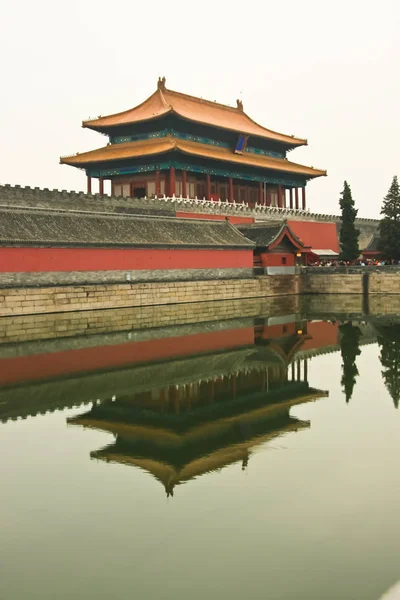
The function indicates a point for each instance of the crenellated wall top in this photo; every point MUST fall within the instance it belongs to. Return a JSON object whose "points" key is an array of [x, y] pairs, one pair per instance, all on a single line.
{"points": [[35, 196]]}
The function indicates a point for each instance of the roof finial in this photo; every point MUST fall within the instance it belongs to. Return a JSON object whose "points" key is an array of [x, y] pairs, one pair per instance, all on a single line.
{"points": [[161, 83], [239, 104]]}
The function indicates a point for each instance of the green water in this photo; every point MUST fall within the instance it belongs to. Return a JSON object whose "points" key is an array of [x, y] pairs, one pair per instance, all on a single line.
{"points": [[243, 494]]}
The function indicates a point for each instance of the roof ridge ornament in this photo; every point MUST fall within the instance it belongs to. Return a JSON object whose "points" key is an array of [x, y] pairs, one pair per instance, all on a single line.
{"points": [[239, 105], [161, 83], [161, 88]]}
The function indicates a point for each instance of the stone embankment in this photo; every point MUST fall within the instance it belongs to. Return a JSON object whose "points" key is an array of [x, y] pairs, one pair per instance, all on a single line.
{"points": [[344, 307], [20, 301], [146, 322], [362, 282], [350, 280], [138, 321]]}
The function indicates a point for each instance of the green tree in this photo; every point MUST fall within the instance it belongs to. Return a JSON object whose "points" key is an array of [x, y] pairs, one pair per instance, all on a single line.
{"points": [[349, 249], [389, 227], [349, 349], [389, 342]]}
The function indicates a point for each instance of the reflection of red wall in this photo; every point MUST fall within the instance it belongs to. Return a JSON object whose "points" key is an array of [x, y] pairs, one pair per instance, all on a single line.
{"points": [[234, 220], [102, 259], [25, 368], [270, 332], [321, 236], [322, 334], [274, 259]]}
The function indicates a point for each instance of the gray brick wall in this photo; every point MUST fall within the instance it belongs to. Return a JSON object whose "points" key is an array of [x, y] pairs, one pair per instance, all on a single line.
{"points": [[99, 277]]}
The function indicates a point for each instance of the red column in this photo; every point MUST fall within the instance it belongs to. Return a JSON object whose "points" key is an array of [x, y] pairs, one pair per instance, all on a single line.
{"points": [[303, 197], [101, 186], [184, 186], [296, 196], [291, 197], [260, 193], [279, 196], [172, 181], [89, 185], [158, 183], [208, 187], [230, 189]]}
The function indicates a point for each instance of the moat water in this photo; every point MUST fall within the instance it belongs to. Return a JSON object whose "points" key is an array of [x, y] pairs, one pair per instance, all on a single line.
{"points": [[257, 458]]}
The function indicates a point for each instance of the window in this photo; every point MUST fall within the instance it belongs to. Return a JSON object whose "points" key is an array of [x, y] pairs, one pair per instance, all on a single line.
{"points": [[162, 187], [117, 189], [190, 189], [242, 194], [253, 195], [139, 191], [151, 189], [284, 199], [178, 187], [126, 190], [284, 260], [274, 198], [223, 191], [200, 189]]}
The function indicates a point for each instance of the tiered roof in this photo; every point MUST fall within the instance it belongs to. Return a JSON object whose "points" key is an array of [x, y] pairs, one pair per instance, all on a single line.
{"points": [[167, 144], [175, 457], [198, 110]]}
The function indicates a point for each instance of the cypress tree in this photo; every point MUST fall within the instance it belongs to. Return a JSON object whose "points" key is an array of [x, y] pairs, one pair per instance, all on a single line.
{"points": [[389, 227], [389, 343], [349, 349], [349, 249]]}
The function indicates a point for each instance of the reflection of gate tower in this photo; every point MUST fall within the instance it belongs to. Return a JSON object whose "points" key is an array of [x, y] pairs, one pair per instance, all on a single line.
{"points": [[182, 430]]}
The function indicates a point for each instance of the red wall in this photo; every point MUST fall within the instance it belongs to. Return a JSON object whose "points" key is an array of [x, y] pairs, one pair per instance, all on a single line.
{"points": [[270, 332], [42, 366], [271, 259], [101, 259], [233, 220], [318, 235], [322, 334]]}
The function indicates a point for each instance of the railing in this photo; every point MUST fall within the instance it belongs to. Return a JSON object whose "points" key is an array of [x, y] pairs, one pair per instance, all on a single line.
{"points": [[351, 270], [212, 206]]}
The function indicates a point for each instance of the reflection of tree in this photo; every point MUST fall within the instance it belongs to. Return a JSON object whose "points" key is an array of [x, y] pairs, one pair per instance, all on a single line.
{"points": [[389, 342], [349, 349]]}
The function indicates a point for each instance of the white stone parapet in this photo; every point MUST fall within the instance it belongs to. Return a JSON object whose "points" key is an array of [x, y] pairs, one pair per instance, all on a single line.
{"points": [[259, 211]]}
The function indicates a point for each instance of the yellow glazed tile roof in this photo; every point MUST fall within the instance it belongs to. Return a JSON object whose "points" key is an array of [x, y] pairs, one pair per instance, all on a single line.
{"points": [[131, 150], [165, 101]]}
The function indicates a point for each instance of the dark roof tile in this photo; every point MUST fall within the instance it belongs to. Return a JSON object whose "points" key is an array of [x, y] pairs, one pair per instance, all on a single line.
{"points": [[68, 228]]}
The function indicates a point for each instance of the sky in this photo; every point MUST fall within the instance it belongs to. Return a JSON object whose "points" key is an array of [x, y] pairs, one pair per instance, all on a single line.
{"points": [[327, 71]]}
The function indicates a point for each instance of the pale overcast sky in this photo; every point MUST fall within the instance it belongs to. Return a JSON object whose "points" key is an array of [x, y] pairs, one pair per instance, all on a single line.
{"points": [[327, 71]]}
